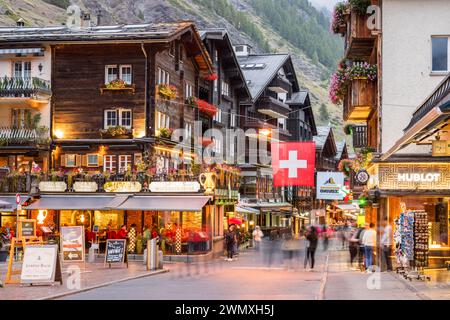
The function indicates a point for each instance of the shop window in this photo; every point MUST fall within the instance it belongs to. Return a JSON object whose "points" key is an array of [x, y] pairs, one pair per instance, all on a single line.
{"points": [[75, 218], [124, 163], [112, 219], [109, 163], [92, 160]]}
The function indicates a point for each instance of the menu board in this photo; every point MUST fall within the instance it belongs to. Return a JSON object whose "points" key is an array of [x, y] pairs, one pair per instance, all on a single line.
{"points": [[27, 228], [41, 265], [115, 250], [72, 243]]}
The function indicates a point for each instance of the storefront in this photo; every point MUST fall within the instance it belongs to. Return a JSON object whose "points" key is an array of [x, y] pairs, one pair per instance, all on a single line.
{"points": [[8, 213], [417, 188]]}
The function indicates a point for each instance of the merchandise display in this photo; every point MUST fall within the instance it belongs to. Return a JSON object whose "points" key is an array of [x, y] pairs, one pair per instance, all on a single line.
{"points": [[421, 239]]}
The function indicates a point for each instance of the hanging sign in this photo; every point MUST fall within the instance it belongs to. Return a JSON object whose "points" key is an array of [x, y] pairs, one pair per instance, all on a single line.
{"points": [[41, 265], [72, 243], [330, 185], [175, 186], [122, 186], [362, 177]]}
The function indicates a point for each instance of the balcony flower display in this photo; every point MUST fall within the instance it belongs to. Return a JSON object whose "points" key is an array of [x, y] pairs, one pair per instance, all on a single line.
{"points": [[359, 6], [191, 102], [345, 74], [165, 133], [116, 84], [167, 91], [115, 132], [211, 77], [207, 108], [338, 19], [346, 166]]}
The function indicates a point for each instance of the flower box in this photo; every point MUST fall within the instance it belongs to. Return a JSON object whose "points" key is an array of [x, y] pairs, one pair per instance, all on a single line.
{"points": [[117, 85]]}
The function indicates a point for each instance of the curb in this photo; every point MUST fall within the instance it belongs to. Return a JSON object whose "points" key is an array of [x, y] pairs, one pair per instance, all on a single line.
{"points": [[323, 281], [410, 287], [60, 295]]}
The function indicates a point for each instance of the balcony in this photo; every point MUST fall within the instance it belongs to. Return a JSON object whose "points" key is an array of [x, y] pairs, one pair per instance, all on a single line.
{"points": [[360, 100], [359, 41], [360, 136], [272, 107], [279, 85], [33, 91], [22, 136]]}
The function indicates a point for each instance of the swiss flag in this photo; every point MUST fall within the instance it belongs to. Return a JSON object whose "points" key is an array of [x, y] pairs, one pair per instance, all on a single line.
{"points": [[293, 163]]}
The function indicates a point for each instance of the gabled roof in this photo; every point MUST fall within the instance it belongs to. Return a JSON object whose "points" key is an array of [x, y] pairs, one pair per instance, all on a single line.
{"points": [[258, 78], [220, 34], [325, 135], [340, 147], [298, 97], [134, 33]]}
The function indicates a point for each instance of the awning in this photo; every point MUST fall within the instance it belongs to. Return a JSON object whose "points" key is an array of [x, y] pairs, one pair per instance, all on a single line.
{"points": [[165, 203], [21, 50], [8, 203], [243, 209], [348, 207], [73, 202], [6, 206]]}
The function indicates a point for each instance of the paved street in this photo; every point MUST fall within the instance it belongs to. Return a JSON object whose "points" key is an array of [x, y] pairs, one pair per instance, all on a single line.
{"points": [[251, 276]]}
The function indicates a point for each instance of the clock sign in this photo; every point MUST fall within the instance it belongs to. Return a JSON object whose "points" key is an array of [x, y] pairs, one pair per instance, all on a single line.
{"points": [[362, 177]]}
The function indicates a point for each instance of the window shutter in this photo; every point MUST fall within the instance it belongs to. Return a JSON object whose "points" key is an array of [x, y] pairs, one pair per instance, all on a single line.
{"points": [[100, 160], [84, 160], [63, 160], [78, 162]]}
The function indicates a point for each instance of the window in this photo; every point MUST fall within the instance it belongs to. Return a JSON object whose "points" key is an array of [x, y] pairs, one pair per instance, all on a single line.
{"points": [[92, 160], [188, 129], [225, 88], [233, 120], [19, 117], [188, 90], [218, 116], [216, 55], [163, 76], [124, 163], [162, 120], [126, 74], [282, 123], [440, 49], [22, 69], [217, 146], [216, 86], [111, 73], [109, 163], [71, 160], [122, 117]]}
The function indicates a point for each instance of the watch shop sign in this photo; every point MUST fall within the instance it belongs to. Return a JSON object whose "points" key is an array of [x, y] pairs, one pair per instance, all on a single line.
{"points": [[435, 176]]}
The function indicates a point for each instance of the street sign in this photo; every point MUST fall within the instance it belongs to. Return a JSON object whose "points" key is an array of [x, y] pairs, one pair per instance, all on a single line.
{"points": [[18, 199], [41, 265]]}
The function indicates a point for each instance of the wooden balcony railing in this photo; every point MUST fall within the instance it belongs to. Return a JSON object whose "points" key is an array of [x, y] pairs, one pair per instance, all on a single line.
{"points": [[359, 41], [272, 107], [14, 87], [360, 136], [360, 100]]}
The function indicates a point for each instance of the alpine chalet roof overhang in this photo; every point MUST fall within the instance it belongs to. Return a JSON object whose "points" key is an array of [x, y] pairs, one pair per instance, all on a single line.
{"points": [[259, 78], [229, 59], [134, 33], [431, 117], [324, 140]]}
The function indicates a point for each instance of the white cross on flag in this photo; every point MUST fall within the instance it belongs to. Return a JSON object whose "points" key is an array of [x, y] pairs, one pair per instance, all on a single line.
{"points": [[293, 163]]}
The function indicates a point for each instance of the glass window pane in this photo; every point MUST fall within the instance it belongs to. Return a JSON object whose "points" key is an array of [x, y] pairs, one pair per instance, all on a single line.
{"points": [[440, 54]]}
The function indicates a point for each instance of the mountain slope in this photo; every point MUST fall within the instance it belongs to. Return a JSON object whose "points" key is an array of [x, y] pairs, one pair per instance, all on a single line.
{"points": [[277, 25]]}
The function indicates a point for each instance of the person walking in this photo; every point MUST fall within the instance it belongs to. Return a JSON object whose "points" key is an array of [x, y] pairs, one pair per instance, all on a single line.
{"points": [[386, 243], [369, 241], [353, 244], [230, 240], [312, 240], [257, 237], [325, 237]]}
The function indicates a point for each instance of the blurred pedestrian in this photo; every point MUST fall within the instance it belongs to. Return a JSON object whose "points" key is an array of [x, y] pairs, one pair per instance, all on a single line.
{"points": [[353, 244], [237, 242], [386, 243], [230, 240], [312, 240], [325, 237], [369, 241], [257, 237]]}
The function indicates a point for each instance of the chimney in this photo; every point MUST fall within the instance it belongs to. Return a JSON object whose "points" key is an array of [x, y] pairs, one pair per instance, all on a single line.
{"points": [[20, 23]]}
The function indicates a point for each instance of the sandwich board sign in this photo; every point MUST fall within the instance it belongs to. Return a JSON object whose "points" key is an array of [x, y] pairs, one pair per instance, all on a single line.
{"points": [[72, 244], [41, 265], [116, 251]]}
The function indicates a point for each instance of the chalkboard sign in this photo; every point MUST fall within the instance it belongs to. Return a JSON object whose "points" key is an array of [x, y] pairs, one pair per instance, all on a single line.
{"points": [[27, 229], [115, 251]]}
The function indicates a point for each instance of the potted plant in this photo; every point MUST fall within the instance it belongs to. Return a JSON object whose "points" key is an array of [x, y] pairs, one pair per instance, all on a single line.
{"points": [[346, 166], [191, 102], [167, 91], [359, 6], [348, 129], [117, 132], [165, 133], [338, 23]]}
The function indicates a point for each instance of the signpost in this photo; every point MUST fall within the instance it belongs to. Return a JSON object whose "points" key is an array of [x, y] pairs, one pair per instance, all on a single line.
{"points": [[72, 243], [116, 251], [41, 265]]}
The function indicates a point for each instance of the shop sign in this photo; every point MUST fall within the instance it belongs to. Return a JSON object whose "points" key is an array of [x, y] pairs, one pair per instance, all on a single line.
{"points": [[72, 243], [176, 186], [434, 176], [52, 186], [226, 193], [27, 228], [83, 186], [115, 250], [122, 186], [329, 185], [362, 177], [40, 265]]}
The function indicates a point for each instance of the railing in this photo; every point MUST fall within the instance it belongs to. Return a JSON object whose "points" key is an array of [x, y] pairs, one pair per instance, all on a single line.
{"points": [[14, 136], [24, 87], [360, 136], [266, 103]]}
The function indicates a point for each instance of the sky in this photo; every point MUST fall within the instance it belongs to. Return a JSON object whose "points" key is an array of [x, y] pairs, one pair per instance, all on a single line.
{"points": [[329, 4]]}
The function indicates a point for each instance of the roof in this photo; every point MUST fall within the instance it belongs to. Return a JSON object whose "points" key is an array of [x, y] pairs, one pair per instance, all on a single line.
{"points": [[298, 97], [340, 146], [322, 135], [258, 78]]}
